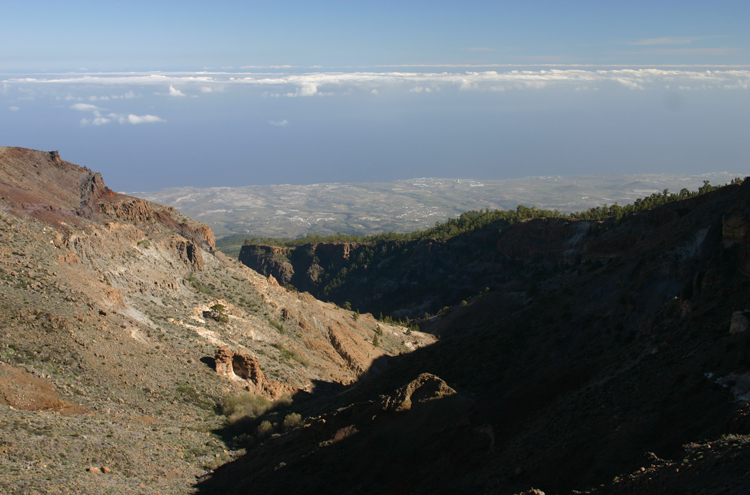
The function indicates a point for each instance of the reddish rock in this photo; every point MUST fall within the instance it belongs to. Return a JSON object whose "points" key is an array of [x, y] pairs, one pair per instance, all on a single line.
{"points": [[247, 371], [424, 388]]}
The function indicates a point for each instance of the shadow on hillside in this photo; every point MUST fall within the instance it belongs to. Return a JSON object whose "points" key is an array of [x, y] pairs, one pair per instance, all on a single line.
{"points": [[607, 363], [243, 433], [324, 397]]}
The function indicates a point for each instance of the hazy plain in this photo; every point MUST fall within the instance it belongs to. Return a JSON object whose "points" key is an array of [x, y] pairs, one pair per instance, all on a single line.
{"points": [[367, 208]]}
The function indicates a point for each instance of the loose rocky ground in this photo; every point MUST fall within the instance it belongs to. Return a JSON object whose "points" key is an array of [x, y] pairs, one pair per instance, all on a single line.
{"points": [[108, 337]]}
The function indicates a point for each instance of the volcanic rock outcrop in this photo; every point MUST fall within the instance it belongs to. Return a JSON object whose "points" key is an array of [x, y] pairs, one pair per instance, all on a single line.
{"points": [[246, 369]]}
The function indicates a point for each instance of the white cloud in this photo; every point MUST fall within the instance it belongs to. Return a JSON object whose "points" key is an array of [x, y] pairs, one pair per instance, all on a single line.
{"points": [[305, 89], [629, 83], [142, 119], [85, 107], [328, 83], [175, 92], [14, 109], [127, 96], [281, 123], [99, 119]]}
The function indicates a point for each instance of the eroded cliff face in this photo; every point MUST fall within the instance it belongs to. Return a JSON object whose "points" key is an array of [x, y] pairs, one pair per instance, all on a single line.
{"points": [[108, 303], [269, 260], [515, 262]]}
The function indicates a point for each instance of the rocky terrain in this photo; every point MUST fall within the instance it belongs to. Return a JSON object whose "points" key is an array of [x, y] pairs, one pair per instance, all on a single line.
{"points": [[607, 357], [124, 331], [623, 368]]}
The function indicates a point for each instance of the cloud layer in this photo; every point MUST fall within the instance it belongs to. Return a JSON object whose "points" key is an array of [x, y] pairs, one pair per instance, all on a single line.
{"points": [[330, 83]]}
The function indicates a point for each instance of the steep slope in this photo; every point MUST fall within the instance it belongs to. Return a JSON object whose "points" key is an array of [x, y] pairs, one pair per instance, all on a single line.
{"points": [[637, 361], [123, 330]]}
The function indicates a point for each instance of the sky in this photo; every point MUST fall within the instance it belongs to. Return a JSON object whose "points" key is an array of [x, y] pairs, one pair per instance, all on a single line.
{"points": [[170, 94]]}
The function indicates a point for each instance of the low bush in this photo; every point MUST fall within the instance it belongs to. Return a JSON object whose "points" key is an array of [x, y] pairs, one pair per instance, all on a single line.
{"points": [[247, 406], [244, 406], [265, 430], [292, 421]]}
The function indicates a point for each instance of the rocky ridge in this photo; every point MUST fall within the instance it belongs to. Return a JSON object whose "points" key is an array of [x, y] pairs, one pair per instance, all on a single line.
{"points": [[108, 355], [411, 277]]}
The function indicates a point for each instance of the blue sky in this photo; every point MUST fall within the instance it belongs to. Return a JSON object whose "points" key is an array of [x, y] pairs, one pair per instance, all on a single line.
{"points": [[159, 94]]}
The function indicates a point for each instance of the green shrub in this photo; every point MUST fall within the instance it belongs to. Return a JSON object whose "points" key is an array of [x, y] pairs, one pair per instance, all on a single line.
{"points": [[244, 406], [265, 430], [292, 421]]}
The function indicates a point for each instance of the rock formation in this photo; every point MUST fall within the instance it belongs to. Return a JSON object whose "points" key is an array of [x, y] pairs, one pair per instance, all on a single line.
{"points": [[246, 370]]}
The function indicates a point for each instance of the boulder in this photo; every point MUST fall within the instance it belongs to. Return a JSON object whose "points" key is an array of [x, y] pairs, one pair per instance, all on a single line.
{"points": [[424, 388]]}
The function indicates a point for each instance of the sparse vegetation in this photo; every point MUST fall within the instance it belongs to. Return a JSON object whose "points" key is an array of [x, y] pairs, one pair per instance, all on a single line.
{"points": [[190, 394], [291, 354], [277, 325], [244, 406], [198, 286]]}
